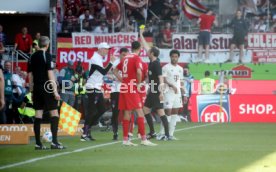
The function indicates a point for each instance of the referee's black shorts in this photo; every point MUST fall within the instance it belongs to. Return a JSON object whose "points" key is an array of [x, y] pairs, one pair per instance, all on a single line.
{"points": [[43, 100], [153, 101], [238, 40]]}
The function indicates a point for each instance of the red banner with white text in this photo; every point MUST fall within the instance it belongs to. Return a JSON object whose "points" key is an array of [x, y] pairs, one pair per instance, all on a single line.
{"points": [[75, 54], [91, 40]]}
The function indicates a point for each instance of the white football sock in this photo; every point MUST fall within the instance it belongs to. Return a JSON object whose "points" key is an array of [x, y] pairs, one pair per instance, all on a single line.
{"points": [[172, 124]]}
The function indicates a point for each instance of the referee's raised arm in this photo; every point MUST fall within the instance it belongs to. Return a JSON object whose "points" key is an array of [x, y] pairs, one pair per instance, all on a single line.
{"points": [[144, 42]]}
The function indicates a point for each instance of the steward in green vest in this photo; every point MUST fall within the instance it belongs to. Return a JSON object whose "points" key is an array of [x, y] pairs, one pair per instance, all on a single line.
{"points": [[26, 107], [35, 42], [80, 91], [207, 85], [79, 85]]}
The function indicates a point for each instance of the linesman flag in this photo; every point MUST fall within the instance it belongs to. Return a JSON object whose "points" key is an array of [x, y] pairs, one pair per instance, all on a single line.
{"points": [[192, 8], [69, 119]]}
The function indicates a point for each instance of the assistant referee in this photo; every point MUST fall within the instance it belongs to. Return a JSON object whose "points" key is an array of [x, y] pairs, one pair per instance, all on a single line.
{"points": [[45, 95]]}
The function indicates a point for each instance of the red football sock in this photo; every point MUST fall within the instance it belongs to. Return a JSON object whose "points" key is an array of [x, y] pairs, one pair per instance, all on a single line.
{"points": [[141, 127], [131, 124], [125, 129]]}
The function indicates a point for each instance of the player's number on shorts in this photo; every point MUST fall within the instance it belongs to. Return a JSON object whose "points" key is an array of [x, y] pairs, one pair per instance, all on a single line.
{"points": [[125, 66]]}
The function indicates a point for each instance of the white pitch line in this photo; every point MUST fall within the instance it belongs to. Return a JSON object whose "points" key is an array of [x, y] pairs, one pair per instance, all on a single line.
{"points": [[82, 149], [198, 126]]}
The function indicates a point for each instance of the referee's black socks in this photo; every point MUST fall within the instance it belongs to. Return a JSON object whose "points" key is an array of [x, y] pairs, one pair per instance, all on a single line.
{"points": [[54, 128], [37, 123], [150, 123]]}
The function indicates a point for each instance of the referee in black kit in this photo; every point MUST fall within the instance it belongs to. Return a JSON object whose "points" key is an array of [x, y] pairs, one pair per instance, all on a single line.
{"points": [[155, 98], [45, 95]]}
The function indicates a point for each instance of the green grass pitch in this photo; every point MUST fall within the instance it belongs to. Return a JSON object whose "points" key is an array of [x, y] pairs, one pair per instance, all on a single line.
{"points": [[265, 71], [201, 147]]}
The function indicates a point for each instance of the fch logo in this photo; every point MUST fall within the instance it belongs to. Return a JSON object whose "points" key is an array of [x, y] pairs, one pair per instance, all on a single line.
{"points": [[213, 108], [213, 113]]}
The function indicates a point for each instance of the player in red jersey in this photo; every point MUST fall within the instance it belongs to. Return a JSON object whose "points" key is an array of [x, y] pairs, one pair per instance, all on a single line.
{"points": [[143, 94], [129, 99], [205, 22]]}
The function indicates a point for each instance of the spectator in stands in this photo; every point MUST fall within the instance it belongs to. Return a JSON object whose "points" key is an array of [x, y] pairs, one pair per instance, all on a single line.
{"points": [[66, 78], [2, 35], [173, 15], [19, 92], [16, 78], [273, 8], [2, 42], [9, 115], [130, 24], [273, 25], [99, 8], [23, 75], [261, 7], [166, 41], [149, 29], [260, 26], [70, 21], [86, 19], [84, 3], [2, 96], [86, 27], [24, 41], [86, 15], [2, 50], [101, 29], [35, 42], [90, 5], [205, 22], [240, 30], [73, 6], [168, 4]]}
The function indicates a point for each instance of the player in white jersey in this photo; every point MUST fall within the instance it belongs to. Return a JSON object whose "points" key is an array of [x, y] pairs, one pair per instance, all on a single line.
{"points": [[173, 78]]}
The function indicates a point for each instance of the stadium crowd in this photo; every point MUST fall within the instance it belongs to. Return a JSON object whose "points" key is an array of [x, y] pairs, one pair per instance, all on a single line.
{"points": [[91, 16], [157, 15]]}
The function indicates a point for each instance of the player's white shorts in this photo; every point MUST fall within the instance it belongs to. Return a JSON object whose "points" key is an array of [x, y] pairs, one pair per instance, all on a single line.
{"points": [[172, 100]]}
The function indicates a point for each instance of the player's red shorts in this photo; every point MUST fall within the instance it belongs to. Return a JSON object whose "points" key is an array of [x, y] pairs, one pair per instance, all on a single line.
{"points": [[143, 98], [130, 101]]}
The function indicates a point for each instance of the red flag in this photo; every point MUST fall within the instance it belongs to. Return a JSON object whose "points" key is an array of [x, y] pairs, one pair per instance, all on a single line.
{"points": [[114, 12], [192, 8]]}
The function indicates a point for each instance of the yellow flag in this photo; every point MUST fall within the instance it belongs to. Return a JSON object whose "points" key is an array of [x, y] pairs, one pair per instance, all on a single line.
{"points": [[69, 119]]}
